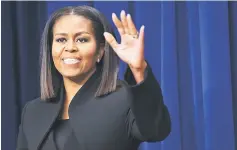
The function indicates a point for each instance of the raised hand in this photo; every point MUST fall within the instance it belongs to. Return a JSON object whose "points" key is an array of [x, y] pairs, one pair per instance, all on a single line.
{"points": [[131, 48]]}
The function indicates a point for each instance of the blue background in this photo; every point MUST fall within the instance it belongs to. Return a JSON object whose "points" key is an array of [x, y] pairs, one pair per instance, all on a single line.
{"points": [[191, 47]]}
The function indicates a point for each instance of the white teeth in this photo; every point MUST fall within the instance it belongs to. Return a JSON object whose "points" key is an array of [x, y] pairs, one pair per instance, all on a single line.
{"points": [[70, 61]]}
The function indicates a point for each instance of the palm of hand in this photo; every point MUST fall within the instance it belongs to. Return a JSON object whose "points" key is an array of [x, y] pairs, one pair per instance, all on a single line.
{"points": [[131, 48]]}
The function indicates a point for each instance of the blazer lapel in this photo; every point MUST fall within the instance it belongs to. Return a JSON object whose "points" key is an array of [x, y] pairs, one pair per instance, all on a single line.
{"points": [[86, 93], [47, 112], [49, 144], [46, 115], [88, 89]]}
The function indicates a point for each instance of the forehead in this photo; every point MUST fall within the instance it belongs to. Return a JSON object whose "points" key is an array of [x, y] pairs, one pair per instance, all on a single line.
{"points": [[72, 23]]}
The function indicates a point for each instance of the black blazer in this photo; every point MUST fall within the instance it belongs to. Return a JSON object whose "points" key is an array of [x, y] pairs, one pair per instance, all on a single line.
{"points": [[118, 121]]}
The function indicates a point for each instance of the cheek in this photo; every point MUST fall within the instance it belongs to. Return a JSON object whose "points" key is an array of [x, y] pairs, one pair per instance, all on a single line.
{"points": [[90, 54], [56, 50]]}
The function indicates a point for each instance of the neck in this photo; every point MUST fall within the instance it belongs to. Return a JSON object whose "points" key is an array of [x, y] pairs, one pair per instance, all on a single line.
{"points": [[72, 85]]}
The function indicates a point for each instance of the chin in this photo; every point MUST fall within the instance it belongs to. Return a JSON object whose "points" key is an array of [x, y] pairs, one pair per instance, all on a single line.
{"points": [[72, 74]]}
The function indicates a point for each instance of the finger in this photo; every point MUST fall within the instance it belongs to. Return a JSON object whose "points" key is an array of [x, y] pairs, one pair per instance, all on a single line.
{"points": [[118, 24], [142, 35], [111, 40], [124, 21], [131, 26]]}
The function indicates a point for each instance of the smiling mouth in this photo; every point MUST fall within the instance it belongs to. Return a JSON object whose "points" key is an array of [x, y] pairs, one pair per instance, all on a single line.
{"points": [[70, 61]]}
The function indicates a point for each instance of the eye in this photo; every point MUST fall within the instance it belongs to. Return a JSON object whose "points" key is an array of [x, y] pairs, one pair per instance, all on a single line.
{"points": [[82, 40], [61, 40]]}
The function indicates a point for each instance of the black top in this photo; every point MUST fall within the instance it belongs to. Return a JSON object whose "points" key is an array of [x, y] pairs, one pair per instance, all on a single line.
{"points": [[121, 120], [61, 132], [60, 137]]}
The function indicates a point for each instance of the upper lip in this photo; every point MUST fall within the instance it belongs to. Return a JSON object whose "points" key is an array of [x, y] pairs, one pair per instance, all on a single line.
{"points": [[73, 57]]}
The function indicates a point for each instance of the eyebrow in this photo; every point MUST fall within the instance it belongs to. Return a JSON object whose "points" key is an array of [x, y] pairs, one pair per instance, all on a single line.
{"points": [[78, 33]]}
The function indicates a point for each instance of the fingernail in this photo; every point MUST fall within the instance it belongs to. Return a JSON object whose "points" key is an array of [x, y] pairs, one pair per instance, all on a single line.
{"points": [[105, 34]]}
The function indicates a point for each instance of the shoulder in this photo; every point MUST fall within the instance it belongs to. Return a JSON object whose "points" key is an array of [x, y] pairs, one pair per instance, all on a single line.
{"points": [[30, 108], [34, 105], [122, 86], [122, 91]]}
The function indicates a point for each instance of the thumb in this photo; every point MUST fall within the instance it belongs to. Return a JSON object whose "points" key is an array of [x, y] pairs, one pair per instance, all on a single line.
{"points": [[111, 40]]}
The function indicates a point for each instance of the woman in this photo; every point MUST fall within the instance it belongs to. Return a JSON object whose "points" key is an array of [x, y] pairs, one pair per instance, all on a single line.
{"points": [[83, 106]]}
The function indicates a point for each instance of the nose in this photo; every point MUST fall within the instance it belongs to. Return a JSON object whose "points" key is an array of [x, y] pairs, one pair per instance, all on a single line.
{"points": [[71, 46]]}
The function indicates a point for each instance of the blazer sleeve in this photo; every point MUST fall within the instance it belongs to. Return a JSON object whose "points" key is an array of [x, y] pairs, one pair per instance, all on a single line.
{"points": [[148, 117], [21, 139]]}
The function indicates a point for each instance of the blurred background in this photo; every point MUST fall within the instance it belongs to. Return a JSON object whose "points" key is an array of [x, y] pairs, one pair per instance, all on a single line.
{"points": [[191, 47]]}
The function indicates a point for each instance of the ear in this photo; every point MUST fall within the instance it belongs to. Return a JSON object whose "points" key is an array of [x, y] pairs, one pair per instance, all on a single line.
{"points": [[100, 53]]}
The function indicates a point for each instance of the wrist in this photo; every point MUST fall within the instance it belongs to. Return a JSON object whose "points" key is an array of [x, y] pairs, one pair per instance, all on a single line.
{"points": [[139, 73], [140, 69]]}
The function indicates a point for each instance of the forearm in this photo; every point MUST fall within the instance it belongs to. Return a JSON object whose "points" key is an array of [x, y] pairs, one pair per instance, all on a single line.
{"points": [[151, 115]]}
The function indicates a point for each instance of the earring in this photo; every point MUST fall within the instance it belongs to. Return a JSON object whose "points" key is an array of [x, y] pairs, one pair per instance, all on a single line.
{"points": [[98, 60]]}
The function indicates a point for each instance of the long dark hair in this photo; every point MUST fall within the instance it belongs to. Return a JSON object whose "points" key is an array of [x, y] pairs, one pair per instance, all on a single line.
{"points": [[50, 78]]}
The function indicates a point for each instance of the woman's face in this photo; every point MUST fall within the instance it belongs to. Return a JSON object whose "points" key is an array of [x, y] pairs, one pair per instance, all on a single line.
{"points": [[74, 48]]}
